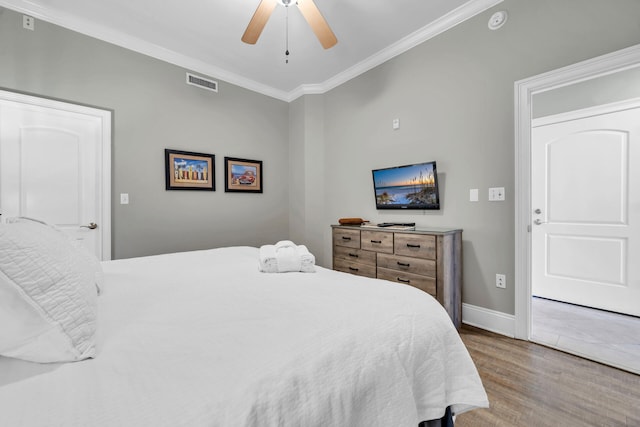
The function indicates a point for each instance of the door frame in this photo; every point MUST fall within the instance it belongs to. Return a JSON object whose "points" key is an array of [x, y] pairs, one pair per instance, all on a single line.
{"points": [[104, 172], [524, 90]]}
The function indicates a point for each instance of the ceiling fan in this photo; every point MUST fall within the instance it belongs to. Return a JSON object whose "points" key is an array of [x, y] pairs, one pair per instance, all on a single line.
{"points": [[308, 9]]}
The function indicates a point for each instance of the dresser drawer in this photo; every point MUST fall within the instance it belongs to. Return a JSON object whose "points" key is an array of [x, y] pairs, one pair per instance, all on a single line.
{"points": [[427, 284], [423, 267], [355, 255], [415, 245], [360, 269], [378, 241], [347, 238]]}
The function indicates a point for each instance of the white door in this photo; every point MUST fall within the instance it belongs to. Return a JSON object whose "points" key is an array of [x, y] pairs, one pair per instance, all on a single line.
{"points": [[55, 166], [585, 188]]}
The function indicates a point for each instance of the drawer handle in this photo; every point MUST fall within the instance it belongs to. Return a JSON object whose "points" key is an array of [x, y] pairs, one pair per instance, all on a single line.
{"points": [[409, 245], [353, 255], [354, 269], [376, 241], [403, 264], [346, 238], [403, 280]]}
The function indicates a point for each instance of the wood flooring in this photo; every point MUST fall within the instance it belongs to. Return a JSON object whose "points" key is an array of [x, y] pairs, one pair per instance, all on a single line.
{"points": [[535, 386]]}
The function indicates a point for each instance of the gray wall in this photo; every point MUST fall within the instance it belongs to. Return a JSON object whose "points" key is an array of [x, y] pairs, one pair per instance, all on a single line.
{"points": [[614, 87], [454, 96], [307, 175], [154, 109]]}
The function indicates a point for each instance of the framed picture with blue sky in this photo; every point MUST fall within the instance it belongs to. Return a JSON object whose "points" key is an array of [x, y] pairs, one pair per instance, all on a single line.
{"points": [[185, 170], [242, 175]]}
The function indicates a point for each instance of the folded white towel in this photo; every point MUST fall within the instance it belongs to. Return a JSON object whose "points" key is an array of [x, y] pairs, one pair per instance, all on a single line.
{"points": [[307, 260], [285, 244], [268, 261], [287, 257]]}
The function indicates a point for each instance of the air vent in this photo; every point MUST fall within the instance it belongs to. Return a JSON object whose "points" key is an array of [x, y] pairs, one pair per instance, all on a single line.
{"points": [[202, 82]]}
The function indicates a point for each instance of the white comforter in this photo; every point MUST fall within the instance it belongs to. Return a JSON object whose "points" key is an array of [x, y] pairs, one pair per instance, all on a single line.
{"points": [[204, 339]]}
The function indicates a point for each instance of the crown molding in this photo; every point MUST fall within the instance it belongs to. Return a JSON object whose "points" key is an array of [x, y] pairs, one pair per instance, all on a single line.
{"points": [[126, 41], [453, 18], [439, 26], [309, 89]]}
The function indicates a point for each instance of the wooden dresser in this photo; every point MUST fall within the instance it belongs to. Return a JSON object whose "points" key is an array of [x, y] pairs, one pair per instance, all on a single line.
{"points": [[430, 260]]}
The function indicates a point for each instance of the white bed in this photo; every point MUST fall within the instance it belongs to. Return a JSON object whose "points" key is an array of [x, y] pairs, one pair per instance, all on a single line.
{"points": [[204, 339]]}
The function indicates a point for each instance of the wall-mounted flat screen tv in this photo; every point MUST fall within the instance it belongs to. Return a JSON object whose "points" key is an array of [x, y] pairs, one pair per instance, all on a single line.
{"points": [[407, 187]]}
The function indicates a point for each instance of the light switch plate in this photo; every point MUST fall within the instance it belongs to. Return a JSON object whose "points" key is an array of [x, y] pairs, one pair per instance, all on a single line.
{"points": [[124, 198], [473, 195]]}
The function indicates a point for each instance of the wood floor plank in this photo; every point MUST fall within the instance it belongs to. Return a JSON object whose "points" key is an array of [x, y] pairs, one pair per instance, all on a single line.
{"points": [[532, 385]]}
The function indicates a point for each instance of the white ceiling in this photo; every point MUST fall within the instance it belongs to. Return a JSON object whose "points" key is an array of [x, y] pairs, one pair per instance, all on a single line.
{"points": [[204, 35]]}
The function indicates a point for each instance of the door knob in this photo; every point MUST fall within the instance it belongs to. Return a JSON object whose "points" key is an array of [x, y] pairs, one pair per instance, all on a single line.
{"points": [[91, 226], [538, 222], [538, 211]]}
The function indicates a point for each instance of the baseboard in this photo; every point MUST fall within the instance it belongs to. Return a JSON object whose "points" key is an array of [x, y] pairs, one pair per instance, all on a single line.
{"points": [[490, 320]]}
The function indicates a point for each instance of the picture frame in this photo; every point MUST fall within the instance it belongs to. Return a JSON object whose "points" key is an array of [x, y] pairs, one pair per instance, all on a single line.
{"points": [[186, 170], [242, 175]]}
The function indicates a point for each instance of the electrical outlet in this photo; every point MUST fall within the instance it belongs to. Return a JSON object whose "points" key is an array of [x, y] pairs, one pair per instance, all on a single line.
{"points": [[496, 194], [28, 22], [501, 281]]}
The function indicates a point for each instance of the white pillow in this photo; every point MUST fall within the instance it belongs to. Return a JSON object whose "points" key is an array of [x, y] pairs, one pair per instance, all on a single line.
{"points": [[47, 295], [92, 261]]}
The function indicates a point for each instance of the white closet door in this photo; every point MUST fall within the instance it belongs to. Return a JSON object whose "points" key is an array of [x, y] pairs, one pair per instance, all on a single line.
{"points": [[52, 167]]}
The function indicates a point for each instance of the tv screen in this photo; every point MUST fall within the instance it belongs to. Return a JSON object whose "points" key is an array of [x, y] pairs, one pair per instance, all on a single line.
{"points": [[407, 187]]}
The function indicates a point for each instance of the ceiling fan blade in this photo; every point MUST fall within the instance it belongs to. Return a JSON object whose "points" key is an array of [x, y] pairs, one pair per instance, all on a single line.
{"points": [[317, 23], [259, 20]]}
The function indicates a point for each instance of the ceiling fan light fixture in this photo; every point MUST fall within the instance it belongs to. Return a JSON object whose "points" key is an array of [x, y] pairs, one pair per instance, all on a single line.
{"points": [[286, 2]]}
